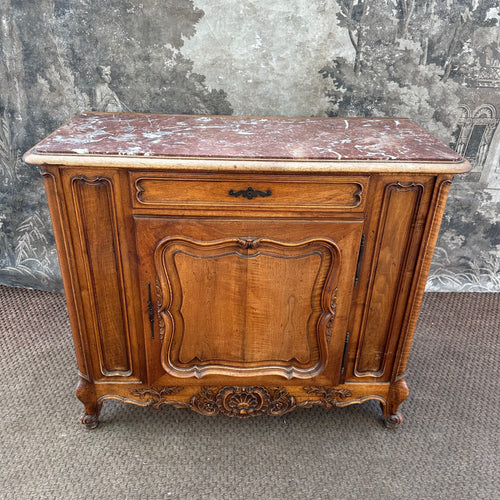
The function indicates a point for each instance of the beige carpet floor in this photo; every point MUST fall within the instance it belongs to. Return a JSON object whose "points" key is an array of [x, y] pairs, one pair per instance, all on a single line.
{"points": [[447, 448]]}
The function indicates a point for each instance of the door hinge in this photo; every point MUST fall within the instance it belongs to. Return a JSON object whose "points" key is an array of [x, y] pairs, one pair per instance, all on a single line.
{"points": [[360, 255], [151, 311], [346, 343]]}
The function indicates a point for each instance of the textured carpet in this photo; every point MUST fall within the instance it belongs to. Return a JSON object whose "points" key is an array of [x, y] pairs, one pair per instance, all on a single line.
{"points": [[446, 448]]}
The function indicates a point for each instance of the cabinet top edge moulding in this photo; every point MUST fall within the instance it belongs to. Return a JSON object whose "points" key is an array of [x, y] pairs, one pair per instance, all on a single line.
{"points": [[239, 144]]}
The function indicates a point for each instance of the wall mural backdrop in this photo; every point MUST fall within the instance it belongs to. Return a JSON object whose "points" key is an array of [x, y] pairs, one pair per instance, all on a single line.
{"points": [[435, 61]]}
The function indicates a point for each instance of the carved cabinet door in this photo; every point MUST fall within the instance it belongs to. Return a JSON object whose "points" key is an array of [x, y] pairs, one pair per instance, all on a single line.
{"points": [[225, 299]]}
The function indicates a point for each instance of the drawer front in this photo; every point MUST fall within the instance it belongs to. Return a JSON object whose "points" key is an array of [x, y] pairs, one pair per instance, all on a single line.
{"points": [[169, 191]]}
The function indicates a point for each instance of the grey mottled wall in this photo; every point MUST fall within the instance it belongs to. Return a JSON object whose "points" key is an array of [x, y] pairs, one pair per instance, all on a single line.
{"points": [[436, 61]]}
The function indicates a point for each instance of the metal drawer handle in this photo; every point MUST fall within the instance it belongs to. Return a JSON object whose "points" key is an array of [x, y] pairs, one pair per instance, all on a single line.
{"points": [[250, 193]]}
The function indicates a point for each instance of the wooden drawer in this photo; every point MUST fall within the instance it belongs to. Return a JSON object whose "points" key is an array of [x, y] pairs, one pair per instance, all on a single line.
{"points": [[169, 191]]}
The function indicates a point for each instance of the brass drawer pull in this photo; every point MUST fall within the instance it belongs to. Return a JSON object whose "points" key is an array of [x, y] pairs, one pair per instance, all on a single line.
{"points": [[250, 193]]}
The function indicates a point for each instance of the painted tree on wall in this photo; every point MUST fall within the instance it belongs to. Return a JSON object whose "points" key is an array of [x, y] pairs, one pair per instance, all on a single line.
{"points": [[404, 56], [49, 52], [149, 70], [27, 253], [13, 98], [415, 58], [450, 26], [385, 77], [141, 42]]}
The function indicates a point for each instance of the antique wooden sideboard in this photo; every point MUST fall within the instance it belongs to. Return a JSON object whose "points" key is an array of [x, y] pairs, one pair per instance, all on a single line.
{"points": [[243, 265]]}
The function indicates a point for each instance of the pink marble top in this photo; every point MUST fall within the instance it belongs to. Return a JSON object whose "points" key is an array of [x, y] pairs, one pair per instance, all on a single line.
{"points": [[157, 135]]}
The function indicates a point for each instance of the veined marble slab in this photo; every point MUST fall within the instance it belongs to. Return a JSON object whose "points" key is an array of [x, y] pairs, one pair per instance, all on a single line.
{"points": [[235, 137]]}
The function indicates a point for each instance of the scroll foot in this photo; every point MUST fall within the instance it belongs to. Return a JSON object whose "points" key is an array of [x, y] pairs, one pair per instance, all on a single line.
{"points": [[393, 420], [90, 421]]}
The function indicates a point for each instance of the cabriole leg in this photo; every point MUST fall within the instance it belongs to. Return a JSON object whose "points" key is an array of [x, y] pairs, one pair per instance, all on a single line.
{"points": [[397, 394], [86, 394]]}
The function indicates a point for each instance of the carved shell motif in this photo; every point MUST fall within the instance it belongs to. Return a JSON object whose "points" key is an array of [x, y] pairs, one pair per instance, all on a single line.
{"points": [[243, 401], [233, 401]]}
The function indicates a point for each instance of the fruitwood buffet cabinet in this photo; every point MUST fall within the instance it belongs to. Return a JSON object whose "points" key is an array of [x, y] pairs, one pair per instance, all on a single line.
{"points": [[241, 265]]}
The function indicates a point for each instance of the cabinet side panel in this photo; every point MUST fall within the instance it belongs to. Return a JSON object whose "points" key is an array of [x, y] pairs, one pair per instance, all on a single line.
{"points": [[97, 225], [398, 216], [429, 242], [62, 236]]}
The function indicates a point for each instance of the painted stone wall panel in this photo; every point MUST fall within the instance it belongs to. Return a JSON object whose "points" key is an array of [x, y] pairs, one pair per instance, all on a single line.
{"points": [[437, 63]]}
